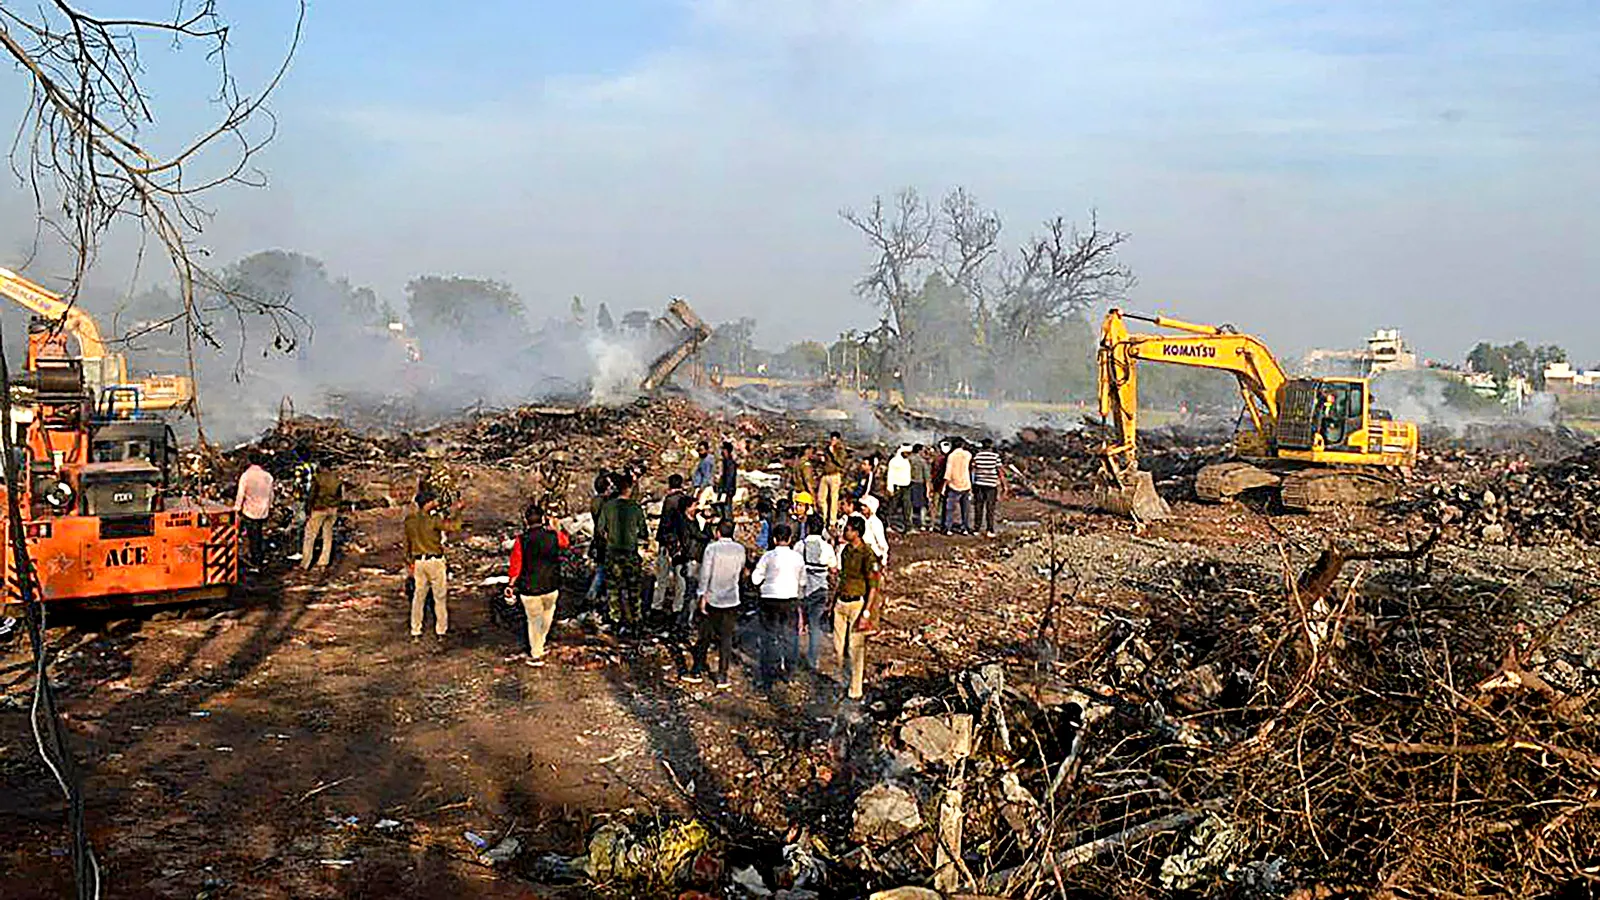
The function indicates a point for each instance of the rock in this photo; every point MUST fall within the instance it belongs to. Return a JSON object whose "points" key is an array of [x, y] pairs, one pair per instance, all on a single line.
{"points": [[1199, 687], [1020, 810], [885, 812], [750, 883], [907, 893], [942, 739], [1494, 533]]}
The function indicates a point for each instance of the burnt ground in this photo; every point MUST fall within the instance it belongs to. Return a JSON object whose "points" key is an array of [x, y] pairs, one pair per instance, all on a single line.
{"points": [[252, 749]]}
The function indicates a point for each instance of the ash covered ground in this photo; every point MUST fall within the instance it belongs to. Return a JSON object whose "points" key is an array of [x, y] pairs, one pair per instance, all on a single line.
{"points": [[1234, 702]]}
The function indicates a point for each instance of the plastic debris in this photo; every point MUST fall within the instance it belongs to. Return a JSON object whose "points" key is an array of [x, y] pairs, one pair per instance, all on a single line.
{"points": [[668, 856], [476, 840], [1203, 853], [503, 852]]}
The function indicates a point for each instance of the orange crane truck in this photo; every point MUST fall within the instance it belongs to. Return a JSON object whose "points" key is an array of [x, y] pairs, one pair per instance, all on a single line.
{"points": [[101, 526]]}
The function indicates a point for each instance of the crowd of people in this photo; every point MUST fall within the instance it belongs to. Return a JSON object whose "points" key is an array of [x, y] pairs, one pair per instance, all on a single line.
{"points": [[810, 571]]}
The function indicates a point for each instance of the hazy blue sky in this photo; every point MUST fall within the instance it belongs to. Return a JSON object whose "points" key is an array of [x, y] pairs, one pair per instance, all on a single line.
{"points": [[1307, 170]]}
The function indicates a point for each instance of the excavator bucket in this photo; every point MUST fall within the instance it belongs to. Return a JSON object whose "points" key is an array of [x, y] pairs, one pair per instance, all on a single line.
{"points": [[1136, 498]]}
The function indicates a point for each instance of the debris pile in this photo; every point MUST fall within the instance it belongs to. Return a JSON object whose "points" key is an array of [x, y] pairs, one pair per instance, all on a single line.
{"points": [[1053, 460], [1514, 503], [1258, 735]]}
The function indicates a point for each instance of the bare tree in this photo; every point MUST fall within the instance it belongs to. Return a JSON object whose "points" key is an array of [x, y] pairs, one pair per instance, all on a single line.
{"points": [[1013, 300], [903, 236], [80, 147], [1058, 273]]}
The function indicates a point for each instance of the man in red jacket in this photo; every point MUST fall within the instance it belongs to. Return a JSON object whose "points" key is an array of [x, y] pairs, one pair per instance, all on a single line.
{"points": [[536, 576]]}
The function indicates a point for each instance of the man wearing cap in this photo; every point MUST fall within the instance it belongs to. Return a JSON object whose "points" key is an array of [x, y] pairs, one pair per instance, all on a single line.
{"points": [[835, 459]]}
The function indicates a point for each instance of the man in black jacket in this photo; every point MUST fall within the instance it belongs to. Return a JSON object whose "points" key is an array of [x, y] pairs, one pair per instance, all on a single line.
{"points": [[671, 533], [536, 576]]}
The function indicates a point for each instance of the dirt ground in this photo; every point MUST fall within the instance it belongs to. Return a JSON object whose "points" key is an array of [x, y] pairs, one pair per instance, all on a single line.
{"points": [[295, 743]]}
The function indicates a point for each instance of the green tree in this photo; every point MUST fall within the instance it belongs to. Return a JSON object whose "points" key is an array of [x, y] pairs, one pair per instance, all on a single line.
{"points": [[805, 359], [1507, 361], [732, 347], [466, 309]]}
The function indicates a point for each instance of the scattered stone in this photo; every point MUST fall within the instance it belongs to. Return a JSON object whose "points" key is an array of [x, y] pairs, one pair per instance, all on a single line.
{"points": [[885, 812]]}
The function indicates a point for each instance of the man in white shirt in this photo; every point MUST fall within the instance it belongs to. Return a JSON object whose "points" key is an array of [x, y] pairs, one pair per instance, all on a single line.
{"points": [[253, 503], [898, 480], [821, 561], [874, 535], [781, 576], [721, 567]]}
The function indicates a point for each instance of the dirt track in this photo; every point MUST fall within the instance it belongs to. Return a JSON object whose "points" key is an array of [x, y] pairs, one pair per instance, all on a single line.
{"points": [[252, 750]]}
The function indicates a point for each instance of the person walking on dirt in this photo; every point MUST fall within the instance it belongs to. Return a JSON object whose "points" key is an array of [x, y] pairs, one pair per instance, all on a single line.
{"points": [[958, 488], [671, 533], [622, 522], [835, 459], [898, 481], [821, 561], [324, 497], [425, 529], [721, 567], [858, 585], [253, 503], [921, 473], [781, 576], [727, 481], [988, 481], [535, 571]]}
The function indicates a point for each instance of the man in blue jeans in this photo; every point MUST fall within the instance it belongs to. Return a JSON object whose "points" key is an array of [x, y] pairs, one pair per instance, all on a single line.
{"points": [[781, 576], [821, 561]]}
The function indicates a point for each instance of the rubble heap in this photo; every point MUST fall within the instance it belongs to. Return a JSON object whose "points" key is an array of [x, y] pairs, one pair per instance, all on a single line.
{"points": [[1253, 736], [1514, 502]]}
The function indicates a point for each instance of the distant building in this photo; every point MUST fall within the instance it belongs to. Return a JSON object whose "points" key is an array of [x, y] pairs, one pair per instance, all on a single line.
{"points": [[1561, 378], [1386, 351]]}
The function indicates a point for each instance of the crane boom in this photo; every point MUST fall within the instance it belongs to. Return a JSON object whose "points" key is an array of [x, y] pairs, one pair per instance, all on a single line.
{"points": [[1205, 346], [106, 371], [51, 305]]}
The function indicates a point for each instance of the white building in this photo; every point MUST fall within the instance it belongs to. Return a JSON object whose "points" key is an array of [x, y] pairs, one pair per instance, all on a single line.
{"points": [[1562, 378]]}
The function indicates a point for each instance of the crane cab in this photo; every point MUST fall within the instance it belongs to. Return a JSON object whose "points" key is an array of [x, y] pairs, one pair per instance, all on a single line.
{"points": [[1333, 420]]}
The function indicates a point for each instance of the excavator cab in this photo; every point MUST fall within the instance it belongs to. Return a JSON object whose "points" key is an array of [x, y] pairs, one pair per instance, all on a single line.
{"points": [[1323, 414]]}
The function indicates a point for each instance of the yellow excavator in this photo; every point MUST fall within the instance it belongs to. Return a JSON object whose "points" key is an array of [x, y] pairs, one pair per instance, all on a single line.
{"points": [[1316, 441], [105, 372]]}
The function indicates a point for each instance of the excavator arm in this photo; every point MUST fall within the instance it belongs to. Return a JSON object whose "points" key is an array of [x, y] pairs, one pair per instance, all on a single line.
{"points": [[1201, 346]]}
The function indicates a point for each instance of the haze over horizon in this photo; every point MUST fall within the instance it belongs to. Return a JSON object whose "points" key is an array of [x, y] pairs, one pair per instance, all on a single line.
{"points": [[1306, 171]]}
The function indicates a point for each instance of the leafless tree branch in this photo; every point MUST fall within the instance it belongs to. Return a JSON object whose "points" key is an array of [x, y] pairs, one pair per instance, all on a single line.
{"points": [[80, 150]]}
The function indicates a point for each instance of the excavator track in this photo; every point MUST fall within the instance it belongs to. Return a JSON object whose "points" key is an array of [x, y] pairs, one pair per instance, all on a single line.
{"points": [[1314, 488], [1225, 480]]}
